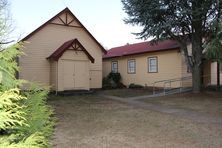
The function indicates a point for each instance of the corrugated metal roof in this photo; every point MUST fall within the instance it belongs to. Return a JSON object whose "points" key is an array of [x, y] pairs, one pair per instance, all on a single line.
{"points": [[139, 48]]}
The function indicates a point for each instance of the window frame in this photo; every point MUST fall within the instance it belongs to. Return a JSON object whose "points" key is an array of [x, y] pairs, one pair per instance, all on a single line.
{"points": [[128, 66], [114, 62], [148, 62]]}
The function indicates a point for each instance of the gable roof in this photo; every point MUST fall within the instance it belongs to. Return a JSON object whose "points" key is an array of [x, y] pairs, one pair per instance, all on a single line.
{"points": [[65, 46], [66, 10], [140, 48]]}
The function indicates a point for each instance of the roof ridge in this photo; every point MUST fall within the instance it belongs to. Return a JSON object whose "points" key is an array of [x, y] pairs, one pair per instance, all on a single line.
{"points": [[130, 44]]}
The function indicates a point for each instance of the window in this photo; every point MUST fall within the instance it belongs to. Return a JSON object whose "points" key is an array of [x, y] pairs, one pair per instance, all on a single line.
{"points": [[152, 64], [131, 66], [114, 66]]}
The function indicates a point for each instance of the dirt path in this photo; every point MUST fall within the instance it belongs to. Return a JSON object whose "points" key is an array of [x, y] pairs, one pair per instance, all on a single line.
{"points": [[192, 115]]}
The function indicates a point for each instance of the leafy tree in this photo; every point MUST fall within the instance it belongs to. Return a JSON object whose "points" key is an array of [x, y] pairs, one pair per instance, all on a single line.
{"points": [[213, 47], [213, 44], [180, 20]]}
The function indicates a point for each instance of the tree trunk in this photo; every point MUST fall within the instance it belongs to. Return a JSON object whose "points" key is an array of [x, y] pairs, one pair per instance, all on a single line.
{"points": [[197, 78], [197, 67]]}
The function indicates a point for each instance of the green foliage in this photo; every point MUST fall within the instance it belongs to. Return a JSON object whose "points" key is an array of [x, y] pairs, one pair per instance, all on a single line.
{"points": [[116, 77], [25, 119], [213, 45], [35, 140], [11, 114], [179, 20], [38, 113], [106, 83], [8, 67], [163, 19], [113, 80], [135, 86]]}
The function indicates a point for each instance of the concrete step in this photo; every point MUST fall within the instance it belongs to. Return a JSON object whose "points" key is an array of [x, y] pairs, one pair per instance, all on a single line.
{"points": [[74, 92]]}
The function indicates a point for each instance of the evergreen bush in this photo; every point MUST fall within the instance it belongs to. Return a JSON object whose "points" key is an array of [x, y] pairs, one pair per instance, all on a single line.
{"points": [[135, 86], [25, 119], [112, 81]]}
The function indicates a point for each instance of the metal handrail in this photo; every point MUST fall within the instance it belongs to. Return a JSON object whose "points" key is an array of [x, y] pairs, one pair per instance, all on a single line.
{"points": [[170, 81], [174, 80]]}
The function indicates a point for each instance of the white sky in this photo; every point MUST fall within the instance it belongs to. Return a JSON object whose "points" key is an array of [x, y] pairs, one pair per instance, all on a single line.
{"points": [[103, 18]]}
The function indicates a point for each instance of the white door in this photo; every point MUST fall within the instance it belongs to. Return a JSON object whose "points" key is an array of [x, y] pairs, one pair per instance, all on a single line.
{"points": [[81, 75], [68, 74], [76, 75]]}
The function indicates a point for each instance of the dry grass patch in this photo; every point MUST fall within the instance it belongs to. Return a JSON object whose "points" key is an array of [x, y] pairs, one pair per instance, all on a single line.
{"points": [[125, 93], [90, 121], [206, 102]]}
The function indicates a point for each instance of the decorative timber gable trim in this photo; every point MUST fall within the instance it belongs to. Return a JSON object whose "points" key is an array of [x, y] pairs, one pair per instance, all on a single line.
{"points": [[73, 44], [65, 18]]}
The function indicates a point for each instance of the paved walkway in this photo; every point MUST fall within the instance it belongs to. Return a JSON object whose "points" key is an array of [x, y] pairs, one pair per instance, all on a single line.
{"points": [[192, 115]]}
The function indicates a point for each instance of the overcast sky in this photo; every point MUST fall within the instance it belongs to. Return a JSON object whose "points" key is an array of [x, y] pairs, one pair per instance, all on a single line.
{"points": [[103, 18]]}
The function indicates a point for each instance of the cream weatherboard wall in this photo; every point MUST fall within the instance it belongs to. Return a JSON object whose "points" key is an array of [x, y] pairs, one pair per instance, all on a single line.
{"points": [[54, 75], [169, 67], [34, 65], [213, 73]]}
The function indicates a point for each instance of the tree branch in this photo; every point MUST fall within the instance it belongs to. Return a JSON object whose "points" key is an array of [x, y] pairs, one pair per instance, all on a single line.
{"points": [[8, 42]]}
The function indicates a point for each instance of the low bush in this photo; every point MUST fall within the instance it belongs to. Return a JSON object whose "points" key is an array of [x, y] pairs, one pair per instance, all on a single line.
{"points": [[112, 81], [116, 77], [25, 119], [135, 86]]}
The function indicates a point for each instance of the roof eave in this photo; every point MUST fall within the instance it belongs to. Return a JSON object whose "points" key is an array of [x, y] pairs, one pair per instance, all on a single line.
{"points": [[175, 48]]}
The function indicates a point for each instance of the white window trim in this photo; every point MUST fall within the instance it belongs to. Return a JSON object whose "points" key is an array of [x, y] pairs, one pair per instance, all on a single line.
{"points": [[149, 66], [112, 67], [128, 66]]}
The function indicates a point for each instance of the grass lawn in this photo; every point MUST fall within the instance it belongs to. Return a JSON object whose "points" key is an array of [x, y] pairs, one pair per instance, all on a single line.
{"points": [[206, 102], [124, 93], [91, 121]]}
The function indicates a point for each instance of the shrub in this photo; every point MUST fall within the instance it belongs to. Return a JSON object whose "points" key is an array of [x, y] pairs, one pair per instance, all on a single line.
{"points": [[25, 119], [112, 81], [116, 77], [38, 113], [135, 86], [106, 83]]}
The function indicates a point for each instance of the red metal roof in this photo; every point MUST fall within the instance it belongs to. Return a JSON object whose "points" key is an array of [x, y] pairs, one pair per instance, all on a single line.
{"points": [[140, 48], [65, 46]]}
